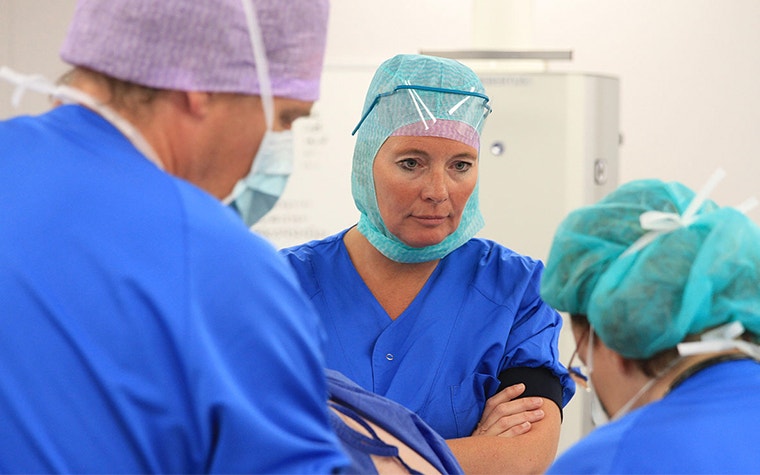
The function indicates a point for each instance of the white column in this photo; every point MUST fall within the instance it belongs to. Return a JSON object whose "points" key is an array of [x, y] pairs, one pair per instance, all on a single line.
{"points": [[502, 24]]}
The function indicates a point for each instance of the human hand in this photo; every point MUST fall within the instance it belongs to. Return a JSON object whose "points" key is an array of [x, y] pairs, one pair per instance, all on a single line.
{"points": [[506, 416]]}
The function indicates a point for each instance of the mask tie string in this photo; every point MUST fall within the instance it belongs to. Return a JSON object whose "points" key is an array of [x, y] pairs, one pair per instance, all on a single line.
{"points": [[70, 95], [24, 83], [260, 58], [722, 338]]}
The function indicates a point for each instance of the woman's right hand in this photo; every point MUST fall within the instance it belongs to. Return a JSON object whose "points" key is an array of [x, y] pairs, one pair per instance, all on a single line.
{"points": [[506, 416]]}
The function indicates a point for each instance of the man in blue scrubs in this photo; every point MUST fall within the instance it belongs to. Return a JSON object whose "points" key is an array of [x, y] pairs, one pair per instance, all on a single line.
{"points": [[144, 328]]}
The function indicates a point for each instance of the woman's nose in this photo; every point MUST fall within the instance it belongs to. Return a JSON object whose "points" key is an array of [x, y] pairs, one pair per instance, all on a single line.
{"points": [[436, 189]]}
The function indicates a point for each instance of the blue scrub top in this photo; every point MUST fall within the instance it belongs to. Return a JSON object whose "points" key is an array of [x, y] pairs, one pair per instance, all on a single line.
{"points": [[708, 425], [479, 314], [144, 328]]}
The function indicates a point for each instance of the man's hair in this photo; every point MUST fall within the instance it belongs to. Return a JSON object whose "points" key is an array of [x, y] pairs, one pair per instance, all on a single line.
{"points": [[122, 95]]}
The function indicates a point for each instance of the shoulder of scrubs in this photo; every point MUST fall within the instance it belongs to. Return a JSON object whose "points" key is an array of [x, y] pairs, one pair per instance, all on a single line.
{"points": [[591, 455], [183, 339], [307, 257], [512, 280], [684, 432]]}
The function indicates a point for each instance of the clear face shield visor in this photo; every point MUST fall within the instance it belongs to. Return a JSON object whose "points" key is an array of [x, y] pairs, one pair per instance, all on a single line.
{"points": [[420, 109]]}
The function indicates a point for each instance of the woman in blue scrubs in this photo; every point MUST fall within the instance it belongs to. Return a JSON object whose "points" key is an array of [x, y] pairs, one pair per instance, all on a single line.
{"points": [[416, 308], [663, 292]]}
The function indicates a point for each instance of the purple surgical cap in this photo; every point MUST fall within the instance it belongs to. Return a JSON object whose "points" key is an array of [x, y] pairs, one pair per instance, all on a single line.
{"points": [[201, 45]]}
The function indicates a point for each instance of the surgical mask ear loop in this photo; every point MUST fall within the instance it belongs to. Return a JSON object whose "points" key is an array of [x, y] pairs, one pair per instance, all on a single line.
{"points": [[627, 406], [599, 414]]}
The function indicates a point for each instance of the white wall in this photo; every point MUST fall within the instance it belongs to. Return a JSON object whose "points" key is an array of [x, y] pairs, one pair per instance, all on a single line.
{"points": [[31, 32], [689, 91], [689, 69]]}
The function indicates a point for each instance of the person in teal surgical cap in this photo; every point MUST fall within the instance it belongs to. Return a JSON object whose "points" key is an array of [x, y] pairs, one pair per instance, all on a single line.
{"points": [[663, 289], [416, 308]]}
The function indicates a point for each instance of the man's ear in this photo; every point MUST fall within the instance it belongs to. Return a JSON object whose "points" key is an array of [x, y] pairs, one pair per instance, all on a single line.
{"points": [[196, 103], [625, 365], [622, 364]]}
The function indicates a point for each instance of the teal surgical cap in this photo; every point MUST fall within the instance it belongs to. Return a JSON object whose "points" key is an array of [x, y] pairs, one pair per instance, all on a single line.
{"points": [[696, 273], [416, 95]]}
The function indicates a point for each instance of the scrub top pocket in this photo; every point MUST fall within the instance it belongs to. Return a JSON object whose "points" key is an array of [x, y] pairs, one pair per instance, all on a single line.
{"points": [[468, 399]]}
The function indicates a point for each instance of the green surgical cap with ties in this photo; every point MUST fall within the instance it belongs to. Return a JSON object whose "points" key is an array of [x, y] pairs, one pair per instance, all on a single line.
{"points": [[416, 95], [652, 263]]}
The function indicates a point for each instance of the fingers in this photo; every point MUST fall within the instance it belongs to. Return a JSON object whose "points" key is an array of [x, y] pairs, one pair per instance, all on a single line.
{"points": [[510, 417], [509, 393], [510, 425], [505, 395]]}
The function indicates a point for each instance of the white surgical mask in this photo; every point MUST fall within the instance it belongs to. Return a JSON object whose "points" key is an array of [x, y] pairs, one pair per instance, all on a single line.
{"points": [[256, 194], [599, 414]]}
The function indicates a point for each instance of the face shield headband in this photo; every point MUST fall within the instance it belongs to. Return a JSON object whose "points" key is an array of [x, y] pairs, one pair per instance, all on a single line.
{"points": [[408, 104], [412, 110]]}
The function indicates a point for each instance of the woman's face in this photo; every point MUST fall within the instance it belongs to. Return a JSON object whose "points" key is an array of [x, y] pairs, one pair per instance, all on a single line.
{"points": [[422, 185]]}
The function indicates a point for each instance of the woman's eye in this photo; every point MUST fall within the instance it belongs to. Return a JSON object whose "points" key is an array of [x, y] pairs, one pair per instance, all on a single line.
{"points": [[462, 166], [409, 163]]}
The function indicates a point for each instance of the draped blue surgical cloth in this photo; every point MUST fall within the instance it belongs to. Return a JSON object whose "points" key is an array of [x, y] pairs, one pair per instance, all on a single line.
{"points": [[707, 425], [392, 417]]}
